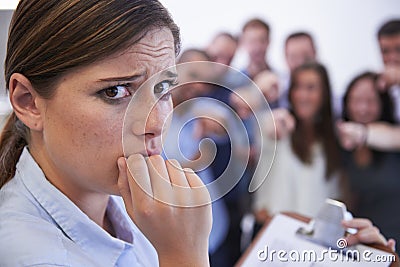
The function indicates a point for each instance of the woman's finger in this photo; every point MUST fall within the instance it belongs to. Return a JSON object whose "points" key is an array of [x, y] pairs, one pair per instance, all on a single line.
{"points": [[357, 223], [392, 244], [193, 180], [123, 184], [371, 235], [139, 179], [176, 174], [200, 193], [180, 185], [368, 235], [160, 181]]}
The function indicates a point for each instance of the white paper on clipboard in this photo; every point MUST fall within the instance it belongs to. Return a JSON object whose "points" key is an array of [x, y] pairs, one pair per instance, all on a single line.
{"points": [[278, 246]]}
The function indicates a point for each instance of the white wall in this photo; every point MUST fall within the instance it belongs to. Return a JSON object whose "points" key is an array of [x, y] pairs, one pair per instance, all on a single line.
{"points": [[5, 17], [8, 4]]}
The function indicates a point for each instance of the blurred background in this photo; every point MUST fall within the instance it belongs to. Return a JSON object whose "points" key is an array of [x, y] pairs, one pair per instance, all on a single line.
{"points": [[344, 31]]}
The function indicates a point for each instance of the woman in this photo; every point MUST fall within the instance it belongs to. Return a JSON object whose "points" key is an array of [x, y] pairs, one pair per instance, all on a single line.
{"points": [[71, 69], [303, 173], [372, 175]]}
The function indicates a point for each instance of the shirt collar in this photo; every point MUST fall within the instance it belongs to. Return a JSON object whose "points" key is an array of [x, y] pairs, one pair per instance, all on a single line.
{"points": [[75, 224]]}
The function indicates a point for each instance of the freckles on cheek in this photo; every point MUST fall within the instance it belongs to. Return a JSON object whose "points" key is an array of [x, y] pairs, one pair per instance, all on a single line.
{"points": [[82, 132], [110, 136], [96, 134]]}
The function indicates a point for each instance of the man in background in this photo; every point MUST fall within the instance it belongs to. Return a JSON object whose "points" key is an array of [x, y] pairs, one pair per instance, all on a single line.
{"points": [[255, 40], [222, 48], [389, 43], [299, 49]]}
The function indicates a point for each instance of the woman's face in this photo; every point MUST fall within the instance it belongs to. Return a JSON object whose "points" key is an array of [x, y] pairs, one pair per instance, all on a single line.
{"points": [[82, 131], [363, 103], [307, 95]]}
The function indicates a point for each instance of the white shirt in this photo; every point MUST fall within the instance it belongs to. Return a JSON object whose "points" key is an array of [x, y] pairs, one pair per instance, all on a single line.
{"points": [[292, 185], [40, 226]]}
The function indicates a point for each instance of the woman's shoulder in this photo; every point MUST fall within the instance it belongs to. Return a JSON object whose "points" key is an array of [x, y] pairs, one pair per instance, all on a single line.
{"points": [[27, 240], [17, 200], [27, 235]]}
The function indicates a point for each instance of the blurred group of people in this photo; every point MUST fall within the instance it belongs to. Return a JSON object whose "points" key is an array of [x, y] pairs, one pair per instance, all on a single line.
{"points": [[351, 155]]}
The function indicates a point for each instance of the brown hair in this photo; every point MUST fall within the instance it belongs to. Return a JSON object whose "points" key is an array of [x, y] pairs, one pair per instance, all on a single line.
{"points": [[227, 35], [323, 126], [255, 23], [301, 35], [187, 54], [387, 112], [390, 28], [387, 108], [48, 38]]}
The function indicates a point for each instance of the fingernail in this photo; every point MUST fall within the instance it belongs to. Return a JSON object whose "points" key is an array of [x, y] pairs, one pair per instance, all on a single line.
{"points": [[188, 170], [121, 163]]}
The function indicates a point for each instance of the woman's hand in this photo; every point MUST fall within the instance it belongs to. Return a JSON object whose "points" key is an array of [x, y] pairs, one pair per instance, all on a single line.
{"points": [[170, 206], [352, 134], [367, 234], [268, 82], [280, 124], [389, 77]]}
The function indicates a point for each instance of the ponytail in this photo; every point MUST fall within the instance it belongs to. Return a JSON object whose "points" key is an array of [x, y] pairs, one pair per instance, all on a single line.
{"points": [[13, 139]]}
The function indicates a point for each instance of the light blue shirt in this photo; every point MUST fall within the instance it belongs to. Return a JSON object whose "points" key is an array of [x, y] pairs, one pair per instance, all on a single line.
{"points": [[40, 226]]}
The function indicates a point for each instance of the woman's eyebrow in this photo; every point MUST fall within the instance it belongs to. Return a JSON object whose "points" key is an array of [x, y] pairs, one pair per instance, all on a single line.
{"points": [[171, 74], [122, 78]]}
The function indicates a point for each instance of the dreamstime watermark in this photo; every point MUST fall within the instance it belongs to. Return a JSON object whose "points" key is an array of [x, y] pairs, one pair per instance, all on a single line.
{"points": [[341, 254]]}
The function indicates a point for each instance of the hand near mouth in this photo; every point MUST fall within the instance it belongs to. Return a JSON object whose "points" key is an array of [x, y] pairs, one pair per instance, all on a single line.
{"points": [[170, 205]]}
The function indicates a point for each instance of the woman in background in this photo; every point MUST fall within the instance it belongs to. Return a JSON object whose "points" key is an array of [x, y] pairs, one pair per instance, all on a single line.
{"points": [[304, 172], [306, 167], [372, 175]]}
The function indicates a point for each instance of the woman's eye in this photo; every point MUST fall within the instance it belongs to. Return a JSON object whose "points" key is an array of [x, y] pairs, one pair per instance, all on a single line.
{"points": [[162, 87], [116, 92]]}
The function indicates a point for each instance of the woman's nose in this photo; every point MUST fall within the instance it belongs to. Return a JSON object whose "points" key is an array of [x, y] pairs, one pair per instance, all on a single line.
{"points": [[302, 92], [157, 121], [362, 107]]}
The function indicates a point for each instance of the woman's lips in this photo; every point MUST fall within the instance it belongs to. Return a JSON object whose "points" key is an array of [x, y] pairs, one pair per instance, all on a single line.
{"points": [[152, 151]]}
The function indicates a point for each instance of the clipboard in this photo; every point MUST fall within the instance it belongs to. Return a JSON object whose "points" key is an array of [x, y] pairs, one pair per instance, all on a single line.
{"points": [[308, 247]]}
